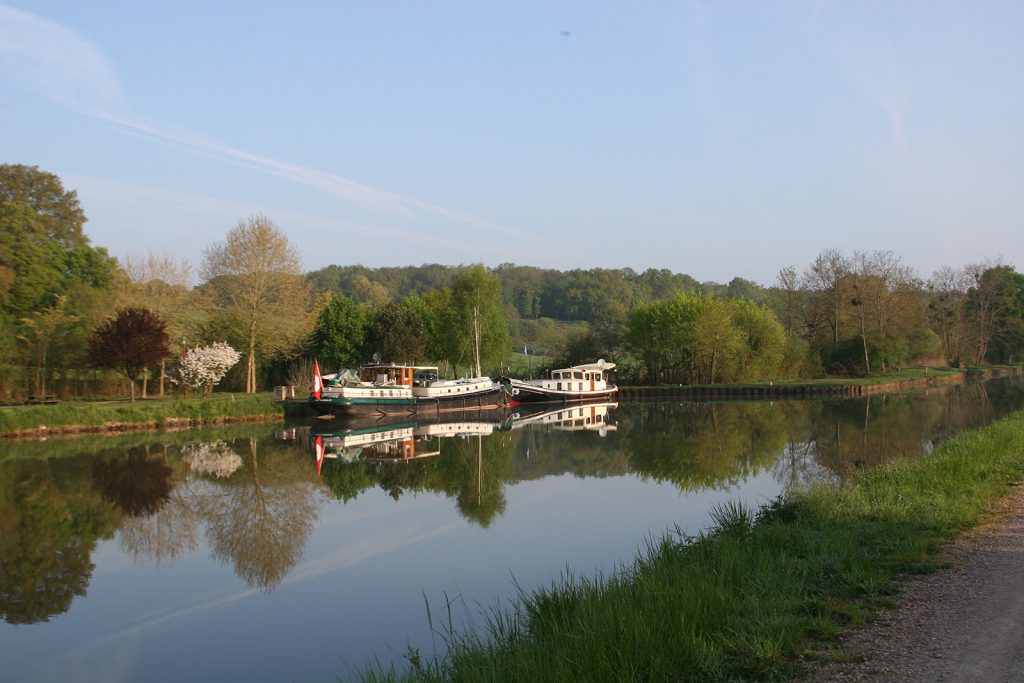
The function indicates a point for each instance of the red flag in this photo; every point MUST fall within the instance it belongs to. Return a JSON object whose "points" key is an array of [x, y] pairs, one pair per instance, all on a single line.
{"points": [[318, 383], [319, 454]]}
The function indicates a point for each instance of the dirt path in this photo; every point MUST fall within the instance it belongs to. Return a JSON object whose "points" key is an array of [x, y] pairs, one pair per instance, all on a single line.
{"points": [[964, 623]]}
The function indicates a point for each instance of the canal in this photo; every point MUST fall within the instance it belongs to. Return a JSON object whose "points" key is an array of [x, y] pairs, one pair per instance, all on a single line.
{"points": [[305, 552]]}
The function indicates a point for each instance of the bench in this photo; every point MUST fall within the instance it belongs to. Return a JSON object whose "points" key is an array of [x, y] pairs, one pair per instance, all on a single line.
{"points": [[47, 399]]}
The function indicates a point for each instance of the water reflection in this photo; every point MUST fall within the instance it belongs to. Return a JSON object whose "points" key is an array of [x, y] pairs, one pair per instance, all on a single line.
{"points": [[251, 501]]}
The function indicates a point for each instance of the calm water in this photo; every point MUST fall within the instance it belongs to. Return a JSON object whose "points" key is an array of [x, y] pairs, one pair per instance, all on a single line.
{"points": [[226, 555]]}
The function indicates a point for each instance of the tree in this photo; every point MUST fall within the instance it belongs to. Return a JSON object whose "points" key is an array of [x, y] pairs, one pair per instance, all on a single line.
{"points": [[255, 278], [43, 251], [203, 367], [472, 311], [133, 339], [399, 332], [59, 217], [827, 280], [39, 332], [340, 333], [163, 285], [947, 291], [764, 342], [995, 306]]}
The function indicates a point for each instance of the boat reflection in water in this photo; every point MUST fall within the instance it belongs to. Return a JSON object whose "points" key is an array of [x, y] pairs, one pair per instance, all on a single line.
{"points": [[578, 417], [397, 441], [403, 440]]}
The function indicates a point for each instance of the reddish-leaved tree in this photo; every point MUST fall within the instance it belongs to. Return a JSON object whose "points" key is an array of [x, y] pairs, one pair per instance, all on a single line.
{"points": [[132, 340]]}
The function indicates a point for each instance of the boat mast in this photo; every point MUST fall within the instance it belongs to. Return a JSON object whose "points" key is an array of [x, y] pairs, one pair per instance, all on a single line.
{"points": [[476, 338]]}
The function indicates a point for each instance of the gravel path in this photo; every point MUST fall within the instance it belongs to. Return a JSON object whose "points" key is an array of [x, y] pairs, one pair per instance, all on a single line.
{"points": [[964, 623]]}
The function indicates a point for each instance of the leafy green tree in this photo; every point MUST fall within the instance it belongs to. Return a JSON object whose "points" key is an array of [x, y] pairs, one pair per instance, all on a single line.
{"points": [[472, 310], [739, 288], [340, 333], [59, 217], [399, 332], [40, 332], [133, 339], [995, 305], [43, 250], [764, 342]]}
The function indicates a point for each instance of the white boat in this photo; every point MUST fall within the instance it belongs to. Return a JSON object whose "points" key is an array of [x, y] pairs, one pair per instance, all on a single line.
{"points": [[578, 383], [393, 389]]}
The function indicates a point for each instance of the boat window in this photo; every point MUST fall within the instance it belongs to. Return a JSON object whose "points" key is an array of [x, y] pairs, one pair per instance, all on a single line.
{"points": [[597, 376], [577, 375], [559, 386]]}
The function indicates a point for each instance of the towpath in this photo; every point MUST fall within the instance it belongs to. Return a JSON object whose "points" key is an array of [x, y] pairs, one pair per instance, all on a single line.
{"points": [[964, 623]]}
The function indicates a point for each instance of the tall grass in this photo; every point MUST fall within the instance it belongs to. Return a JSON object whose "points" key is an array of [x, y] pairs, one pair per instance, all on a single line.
{"points": [[91, 415], [746, 599]]}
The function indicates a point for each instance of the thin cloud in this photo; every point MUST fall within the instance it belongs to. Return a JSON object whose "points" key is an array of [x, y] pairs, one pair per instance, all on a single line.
{"points": [[57, 62], [205, 208], [60, 64]]}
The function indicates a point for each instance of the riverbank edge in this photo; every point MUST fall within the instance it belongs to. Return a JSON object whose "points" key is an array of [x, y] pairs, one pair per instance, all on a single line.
{"points": [[821, 388], [27, 422], [759, 596]]}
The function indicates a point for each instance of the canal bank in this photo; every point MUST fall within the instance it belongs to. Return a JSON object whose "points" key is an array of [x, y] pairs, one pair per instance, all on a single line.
{"points": [[81, 417], [906, 380], [751, 598], [961, 623]]}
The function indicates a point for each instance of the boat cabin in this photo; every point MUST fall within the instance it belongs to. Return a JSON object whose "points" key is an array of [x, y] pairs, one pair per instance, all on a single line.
{"points": [[580, 378], [387, 375]]}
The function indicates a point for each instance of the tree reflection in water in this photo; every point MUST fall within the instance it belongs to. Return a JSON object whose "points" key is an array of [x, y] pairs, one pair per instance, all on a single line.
{"points": [[50, 520], [260, 519], [138, 484], [256, 500]]}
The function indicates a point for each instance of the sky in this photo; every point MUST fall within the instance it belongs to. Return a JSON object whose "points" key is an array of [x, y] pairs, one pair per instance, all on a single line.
{"points": [[717, 139]]}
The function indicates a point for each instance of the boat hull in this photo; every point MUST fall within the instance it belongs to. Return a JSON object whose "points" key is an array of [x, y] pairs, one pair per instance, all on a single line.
{"points": [[522, 392], [420, 406]]}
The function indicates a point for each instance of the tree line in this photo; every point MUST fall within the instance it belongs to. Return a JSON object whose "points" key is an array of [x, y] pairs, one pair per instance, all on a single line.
{"points": [[68, 309]]}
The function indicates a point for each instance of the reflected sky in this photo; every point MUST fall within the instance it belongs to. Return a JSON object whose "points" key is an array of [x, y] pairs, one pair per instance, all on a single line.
{"points": [[235, 559]]}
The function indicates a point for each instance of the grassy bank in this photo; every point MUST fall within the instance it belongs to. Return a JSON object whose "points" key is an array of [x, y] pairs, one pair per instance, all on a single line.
{"points": [[85, 416], [749, 599], [907, 378]]}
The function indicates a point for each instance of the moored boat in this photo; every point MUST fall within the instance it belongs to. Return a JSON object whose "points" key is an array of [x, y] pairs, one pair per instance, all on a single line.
{"points": [[577, 383], [393, 389]]}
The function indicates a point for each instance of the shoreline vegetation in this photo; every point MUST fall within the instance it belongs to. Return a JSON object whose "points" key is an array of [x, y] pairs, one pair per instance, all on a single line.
{"points": [[82, 417], [907, 379], [760, 596]]}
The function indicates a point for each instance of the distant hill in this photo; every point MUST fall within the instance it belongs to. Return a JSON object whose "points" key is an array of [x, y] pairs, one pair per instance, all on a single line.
{"points": [[532, 292]]}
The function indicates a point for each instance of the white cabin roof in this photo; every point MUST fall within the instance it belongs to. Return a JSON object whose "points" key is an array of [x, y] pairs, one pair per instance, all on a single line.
{"points": [[592, 367]]}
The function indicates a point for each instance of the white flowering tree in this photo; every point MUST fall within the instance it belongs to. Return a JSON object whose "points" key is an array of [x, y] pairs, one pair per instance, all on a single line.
{"points": [[204, 366]]}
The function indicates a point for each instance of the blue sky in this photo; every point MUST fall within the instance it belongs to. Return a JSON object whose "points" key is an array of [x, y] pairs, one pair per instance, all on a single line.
{"points": [[711, 138]]}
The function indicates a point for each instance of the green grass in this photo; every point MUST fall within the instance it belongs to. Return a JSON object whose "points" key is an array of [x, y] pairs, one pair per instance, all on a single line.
{"points": [[520, 365], [748, 599], [154, 412]]}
